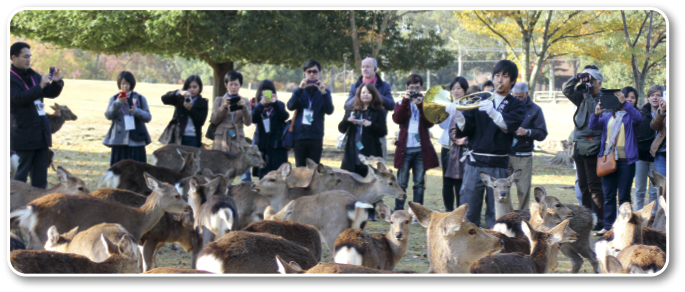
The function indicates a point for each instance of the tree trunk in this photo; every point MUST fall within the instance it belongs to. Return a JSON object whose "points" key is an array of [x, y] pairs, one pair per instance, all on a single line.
{"points": [[355, 46], [460, 60], [220, 70]]}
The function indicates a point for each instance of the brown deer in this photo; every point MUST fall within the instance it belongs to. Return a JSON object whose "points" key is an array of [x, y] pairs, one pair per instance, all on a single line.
{"points": [[128, 174], [454, 243], [305, 235], [250, 204], [329, 268], [171, 228], [217, 161], [49, 262], [638, 258], [205, 176], [379, 182], [87, 242], [215, 217], [378, 251], [61, 114], [86, 211], [330, 212], [251, 252], [501, 190], [659, 221], [537, 261], [171, 270], [22, 193]]}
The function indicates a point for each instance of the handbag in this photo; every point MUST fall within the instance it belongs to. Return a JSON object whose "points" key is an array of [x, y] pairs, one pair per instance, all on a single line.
{"points": [[606, 164], [288, 139], [342, 141], [210, 131]]}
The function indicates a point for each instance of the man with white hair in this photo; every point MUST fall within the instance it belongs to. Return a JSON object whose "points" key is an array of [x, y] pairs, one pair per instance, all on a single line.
{"points": [[532, 128], [583, 91], [369, 74]]}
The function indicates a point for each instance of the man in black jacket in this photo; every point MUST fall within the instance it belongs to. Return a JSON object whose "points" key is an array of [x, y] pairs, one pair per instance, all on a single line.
{"points": [[532, 128], [30, 135]]}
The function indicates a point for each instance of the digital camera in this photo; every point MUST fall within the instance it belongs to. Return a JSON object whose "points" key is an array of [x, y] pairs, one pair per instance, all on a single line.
{"points": [[413, 94]]}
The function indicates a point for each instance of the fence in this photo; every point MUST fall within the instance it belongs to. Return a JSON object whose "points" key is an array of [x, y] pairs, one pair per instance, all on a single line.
{"points": [[549, 96]]}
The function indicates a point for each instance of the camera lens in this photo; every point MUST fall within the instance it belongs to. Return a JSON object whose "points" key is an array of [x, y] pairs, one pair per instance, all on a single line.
{"points": [[187, 99]]}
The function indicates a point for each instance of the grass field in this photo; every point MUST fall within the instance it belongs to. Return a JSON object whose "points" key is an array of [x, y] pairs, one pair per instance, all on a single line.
{"points": [[78, 146]]}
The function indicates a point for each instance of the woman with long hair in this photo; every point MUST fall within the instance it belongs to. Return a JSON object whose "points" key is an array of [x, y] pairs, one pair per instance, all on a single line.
{"points": [[128, 111], [364, 125], [619, 139], [269, 115]]}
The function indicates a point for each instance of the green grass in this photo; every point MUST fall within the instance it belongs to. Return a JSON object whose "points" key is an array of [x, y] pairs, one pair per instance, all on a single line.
{"points": [[78, 146]]}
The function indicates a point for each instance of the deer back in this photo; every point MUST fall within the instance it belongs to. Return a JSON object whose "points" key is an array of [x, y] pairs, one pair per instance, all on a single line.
{"points": [[305, 235], [22, 193], [379, 182], [647, 257]]}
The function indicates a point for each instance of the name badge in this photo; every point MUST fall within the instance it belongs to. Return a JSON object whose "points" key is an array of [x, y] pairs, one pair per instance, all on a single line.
{"points": [[307, 117], [231, 133], [359, 145], [129, 123], [39, 107], [267, 125]]}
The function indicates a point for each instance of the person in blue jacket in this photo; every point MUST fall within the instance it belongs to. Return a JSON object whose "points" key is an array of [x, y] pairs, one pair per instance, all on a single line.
{"points": [[311, 100]]}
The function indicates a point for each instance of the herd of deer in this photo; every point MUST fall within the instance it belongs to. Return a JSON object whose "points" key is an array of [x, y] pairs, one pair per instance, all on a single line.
{"points": [[281, 223]]}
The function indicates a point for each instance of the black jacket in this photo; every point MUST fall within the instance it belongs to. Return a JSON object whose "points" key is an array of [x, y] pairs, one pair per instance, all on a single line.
{"points": [[173, 132], [535, 122], [645, 135], [277, 116], [28, 130], [370, 136]]}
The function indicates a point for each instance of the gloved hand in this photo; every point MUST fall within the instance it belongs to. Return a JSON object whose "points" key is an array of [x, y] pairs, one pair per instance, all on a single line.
{"points": [[486, 106], [452, 110]]}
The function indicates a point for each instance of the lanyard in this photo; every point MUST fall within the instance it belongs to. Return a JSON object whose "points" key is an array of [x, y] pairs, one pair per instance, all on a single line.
{"points": [[266, 114], [135, 101], [22, 80]]}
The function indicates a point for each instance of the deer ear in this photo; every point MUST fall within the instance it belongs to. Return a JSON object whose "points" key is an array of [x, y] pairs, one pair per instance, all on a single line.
{"points": [[646, 212], [557, 233], [527, 230], [381, 167], [663, 204], [125, 247], [635, 269], [384, 211], [362, 159], [514, 177], [287, 212], [109, 246], [486, 178], [285, 169], [422, 214], [311, 164], [625, 212], [63, 175], [152, 183], [539, 194], [70, 235], [613, 265], [320, 168], [208, 172], [53, 236], [269, 213]]}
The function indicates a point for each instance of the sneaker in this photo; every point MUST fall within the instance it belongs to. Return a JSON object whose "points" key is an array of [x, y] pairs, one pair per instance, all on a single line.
{"points": [[601, 232]]}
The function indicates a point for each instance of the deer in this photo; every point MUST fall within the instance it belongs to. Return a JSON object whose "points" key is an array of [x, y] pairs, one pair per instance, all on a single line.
{"points": [[61, 114], [377, 251], [171, 228], [22, 193], [454, 243], [280, 194], [536, 261], [329, 268], [217, 161], [303, 234], [86, 211], [127, 174], [330, 212], [659, 181], [87, 242], [205, 176], [378, 183], [120, 260], [501, 189], [638, 258], [216, 216], [251, 252]]}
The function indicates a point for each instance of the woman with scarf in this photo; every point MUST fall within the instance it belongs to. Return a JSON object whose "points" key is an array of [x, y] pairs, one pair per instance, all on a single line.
{"points": [[269, 115], [128, 111], [364, 125], [619, 138]]}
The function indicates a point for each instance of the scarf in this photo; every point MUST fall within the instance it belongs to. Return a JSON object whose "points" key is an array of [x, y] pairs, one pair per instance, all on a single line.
{"points": [[615, 128]]}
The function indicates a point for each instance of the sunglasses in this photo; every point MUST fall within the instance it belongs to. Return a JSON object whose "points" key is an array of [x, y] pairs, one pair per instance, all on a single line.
{"points": [[312, 71]]}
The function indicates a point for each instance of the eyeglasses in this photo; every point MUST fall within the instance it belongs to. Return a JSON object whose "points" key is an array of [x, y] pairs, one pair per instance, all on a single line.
{"points": [[367, 67], [414, 88], [312, 71]]}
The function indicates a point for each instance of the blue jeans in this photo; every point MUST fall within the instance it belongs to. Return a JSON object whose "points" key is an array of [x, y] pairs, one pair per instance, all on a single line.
{"points": [[642, 170], [579, 194], [660, 163], [621, 180], [412, 160]]}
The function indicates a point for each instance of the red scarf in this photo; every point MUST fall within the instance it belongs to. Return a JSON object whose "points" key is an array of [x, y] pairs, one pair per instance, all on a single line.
{"points": [[372, 80]]}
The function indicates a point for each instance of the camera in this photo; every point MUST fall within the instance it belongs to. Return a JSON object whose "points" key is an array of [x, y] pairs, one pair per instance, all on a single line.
{"points": [[312, 82], [413, 94], [188, 100], [584, 86]]}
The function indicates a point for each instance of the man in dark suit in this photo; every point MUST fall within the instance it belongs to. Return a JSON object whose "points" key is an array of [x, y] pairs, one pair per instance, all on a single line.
{"points": [[30, 135]]}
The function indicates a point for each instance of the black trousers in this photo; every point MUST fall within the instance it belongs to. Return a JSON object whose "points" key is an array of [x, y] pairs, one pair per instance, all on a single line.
{"points": [[36, 163], [590, 184], [307, 148], [450, 186]]}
